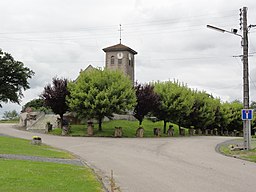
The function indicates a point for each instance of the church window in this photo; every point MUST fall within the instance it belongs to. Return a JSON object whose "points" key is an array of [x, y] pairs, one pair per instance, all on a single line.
{"points": [[112, 60], [119, 61]]}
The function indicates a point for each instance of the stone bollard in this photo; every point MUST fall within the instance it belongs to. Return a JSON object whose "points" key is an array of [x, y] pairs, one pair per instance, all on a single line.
{"points": [[118, 132], [90, 128], [170, 132], [182, 132], [206, 132], [65, 130], [198, 131], [140, 132], [191, 132], [215, 132], [232, 134], [157, 132]]}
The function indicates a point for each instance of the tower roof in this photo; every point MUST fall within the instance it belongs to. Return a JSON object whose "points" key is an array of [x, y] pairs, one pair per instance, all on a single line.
{"points": [[119, 47]]}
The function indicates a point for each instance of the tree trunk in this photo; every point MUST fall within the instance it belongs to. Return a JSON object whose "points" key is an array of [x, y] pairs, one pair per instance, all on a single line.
{"points": [[61, 121], [100, 124], [179, 129], [140, 122], [165, 122]]}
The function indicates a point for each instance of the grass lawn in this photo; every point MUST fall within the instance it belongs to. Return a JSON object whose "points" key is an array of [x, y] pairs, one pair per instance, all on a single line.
{"points": [[10, 145], [18, 176], [247, 155], [129, 128]]}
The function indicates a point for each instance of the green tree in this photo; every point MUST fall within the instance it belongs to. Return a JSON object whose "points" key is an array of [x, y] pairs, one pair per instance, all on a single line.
{"points": [[96, 94], [253, 106], [176, 103], [236, 122], [205, 113], [55, 95], [13, 78], [11, 115]]}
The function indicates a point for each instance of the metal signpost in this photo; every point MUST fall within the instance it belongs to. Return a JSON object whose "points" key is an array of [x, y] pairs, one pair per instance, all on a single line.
{"points": [[247, 116]]}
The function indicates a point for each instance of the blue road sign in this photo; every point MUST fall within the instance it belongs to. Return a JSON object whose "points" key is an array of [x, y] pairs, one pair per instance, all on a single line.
{"points": [[247, 114]]}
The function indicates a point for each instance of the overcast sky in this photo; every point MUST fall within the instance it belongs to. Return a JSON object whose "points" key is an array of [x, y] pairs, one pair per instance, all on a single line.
{"points": [[60, 37]]}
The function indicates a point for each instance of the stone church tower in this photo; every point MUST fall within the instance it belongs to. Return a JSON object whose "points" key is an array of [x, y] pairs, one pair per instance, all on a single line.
{"points": [[120, 57]]}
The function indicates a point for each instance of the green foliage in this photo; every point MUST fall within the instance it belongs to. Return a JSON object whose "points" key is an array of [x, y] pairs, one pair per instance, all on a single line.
{"points": [[97, 94], [176, 102], [36, 105], [13, 78], [10, 115], [233, 116], [205, 110], [186, 107]]}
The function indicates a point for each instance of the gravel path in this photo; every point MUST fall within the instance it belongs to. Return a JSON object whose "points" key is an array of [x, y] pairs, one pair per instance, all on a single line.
{"points": [[43, 159]]}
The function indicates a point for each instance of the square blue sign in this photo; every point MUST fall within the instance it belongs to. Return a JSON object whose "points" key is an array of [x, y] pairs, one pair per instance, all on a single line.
{"points": [[247, 114]]}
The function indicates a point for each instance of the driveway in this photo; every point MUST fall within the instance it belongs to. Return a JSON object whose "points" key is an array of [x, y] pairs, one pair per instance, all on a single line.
{"points": [[188, 164]]}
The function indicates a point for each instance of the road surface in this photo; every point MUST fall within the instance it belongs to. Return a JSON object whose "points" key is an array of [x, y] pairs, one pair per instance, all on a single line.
{"points": [[188, 164]]}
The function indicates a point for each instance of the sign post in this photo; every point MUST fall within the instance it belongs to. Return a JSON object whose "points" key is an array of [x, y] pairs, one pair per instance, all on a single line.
{"points": [[247, 116]]}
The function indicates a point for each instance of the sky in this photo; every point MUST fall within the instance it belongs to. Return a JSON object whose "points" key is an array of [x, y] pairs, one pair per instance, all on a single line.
{"points": [[58, 38]]}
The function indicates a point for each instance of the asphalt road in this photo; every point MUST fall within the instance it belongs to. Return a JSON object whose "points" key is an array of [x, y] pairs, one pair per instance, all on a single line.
{"points": [[188, 164]]}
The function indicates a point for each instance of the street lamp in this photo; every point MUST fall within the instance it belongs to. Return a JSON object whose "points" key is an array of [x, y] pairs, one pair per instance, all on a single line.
{"points": [[233, 31], [246, 122]]}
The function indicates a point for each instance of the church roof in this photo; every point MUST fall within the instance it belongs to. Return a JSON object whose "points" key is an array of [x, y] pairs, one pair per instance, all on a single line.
{"points": [[119, 47]]}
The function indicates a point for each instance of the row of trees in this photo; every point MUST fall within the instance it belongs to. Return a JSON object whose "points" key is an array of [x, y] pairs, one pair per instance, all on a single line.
{"points": [[10, 115], [175, 102], [97, 94]]}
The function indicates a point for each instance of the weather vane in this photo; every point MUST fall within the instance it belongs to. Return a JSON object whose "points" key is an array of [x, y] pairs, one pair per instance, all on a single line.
{"points": [[120, 30]]}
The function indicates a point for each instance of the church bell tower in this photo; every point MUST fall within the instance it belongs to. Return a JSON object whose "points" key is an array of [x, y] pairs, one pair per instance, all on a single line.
{"points": [[120, 57]]}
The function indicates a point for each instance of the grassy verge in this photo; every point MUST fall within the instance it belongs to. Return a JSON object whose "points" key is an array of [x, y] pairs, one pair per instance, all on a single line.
{"points": [[18, 175], [129, 128], [246, 155], [11, 145], [10, 121]]}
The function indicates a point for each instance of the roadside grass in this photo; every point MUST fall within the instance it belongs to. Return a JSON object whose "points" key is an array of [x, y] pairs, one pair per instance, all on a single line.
{"points": [[10, 121], [249, 155], [11, 145], [19, 175], [129, 128]]}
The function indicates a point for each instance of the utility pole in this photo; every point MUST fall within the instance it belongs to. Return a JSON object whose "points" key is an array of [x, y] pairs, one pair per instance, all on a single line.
{"points": [[246, 112], [246, 123]]}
